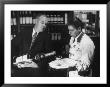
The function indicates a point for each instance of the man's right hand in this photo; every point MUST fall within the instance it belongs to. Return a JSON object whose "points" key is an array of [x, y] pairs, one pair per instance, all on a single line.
{"points": [[39, 56]]}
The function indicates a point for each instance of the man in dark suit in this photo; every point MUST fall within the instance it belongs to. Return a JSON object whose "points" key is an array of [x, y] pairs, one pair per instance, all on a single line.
{"points": [[35, 43], [41, 42]]}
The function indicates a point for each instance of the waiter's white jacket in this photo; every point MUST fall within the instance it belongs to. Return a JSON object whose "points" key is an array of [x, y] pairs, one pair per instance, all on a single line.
{"points": [[81, 50]]}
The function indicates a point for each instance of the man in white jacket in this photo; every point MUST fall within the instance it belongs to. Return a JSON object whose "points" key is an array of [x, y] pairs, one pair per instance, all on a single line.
{"points": [[81, 47]]}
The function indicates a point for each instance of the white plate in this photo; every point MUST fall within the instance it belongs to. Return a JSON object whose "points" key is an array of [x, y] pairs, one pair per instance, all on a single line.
{"points": [[62, 63]]}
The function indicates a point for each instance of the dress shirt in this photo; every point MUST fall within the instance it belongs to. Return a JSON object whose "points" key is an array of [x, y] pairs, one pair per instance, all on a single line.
{"points": [[34, 35], [34, 32]]}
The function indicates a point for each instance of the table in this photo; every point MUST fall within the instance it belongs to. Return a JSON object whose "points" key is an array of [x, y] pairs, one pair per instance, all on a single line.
{"points": [[24, 67]]}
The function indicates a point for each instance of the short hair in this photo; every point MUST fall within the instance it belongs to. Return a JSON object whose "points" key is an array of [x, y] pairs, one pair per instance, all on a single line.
{"points": [[77, 23], [39, 14]]}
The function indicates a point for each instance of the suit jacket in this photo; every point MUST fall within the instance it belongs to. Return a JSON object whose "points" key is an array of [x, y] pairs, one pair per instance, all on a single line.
{"points": [[42, 44], [21, 44]]}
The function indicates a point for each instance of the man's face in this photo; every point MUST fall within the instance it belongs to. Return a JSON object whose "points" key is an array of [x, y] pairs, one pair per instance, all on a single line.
{"points": [[41, 22], [72, 31]]}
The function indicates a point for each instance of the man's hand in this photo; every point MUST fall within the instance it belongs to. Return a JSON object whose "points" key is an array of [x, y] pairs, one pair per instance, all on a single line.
{"points": [[39, 56]]}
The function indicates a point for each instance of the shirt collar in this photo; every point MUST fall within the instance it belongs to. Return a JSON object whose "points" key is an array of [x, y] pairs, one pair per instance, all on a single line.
{"points": [[34, 32], [78, 36]]}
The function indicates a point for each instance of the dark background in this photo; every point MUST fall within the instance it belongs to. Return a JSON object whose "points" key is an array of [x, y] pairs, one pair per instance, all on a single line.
{"points": [[2, 2]]}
